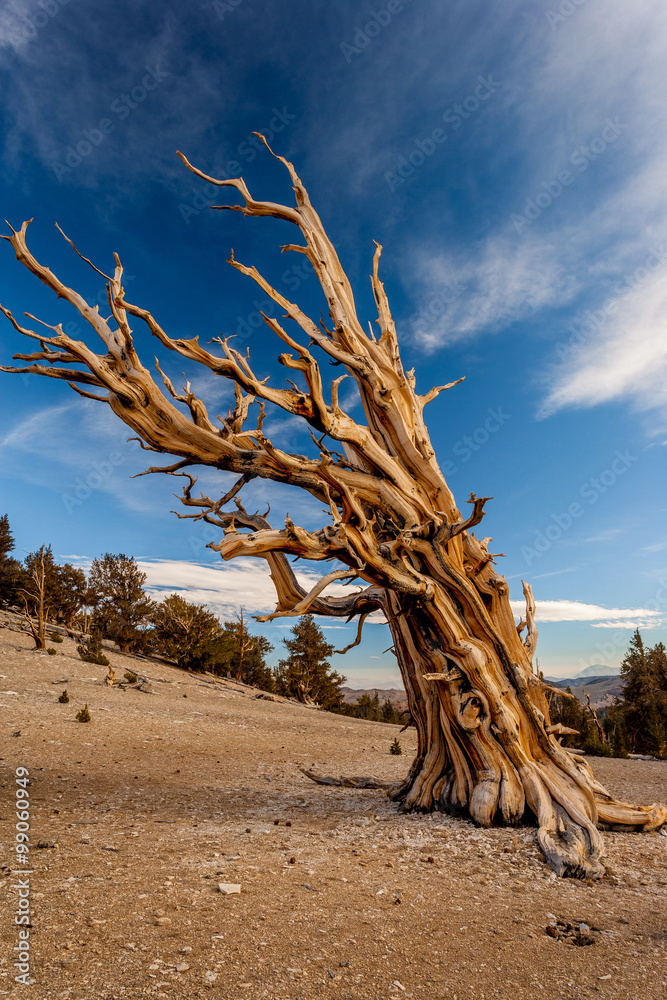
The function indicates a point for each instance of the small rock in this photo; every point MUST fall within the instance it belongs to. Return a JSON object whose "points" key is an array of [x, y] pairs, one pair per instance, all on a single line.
{"points": [[623, 920], [210, 977], [552, 918], [42, 844], [162, 921], [608, 976], [185, 950], [399, 986], [182, 967], [228, 888]]}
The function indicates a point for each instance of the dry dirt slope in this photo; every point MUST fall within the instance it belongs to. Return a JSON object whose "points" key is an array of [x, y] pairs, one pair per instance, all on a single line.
{"points": [[163, 796]]}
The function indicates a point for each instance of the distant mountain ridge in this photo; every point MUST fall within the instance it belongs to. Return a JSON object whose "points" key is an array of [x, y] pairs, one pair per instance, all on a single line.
{"points": [[596, 670], [603, 684], [599, 670], [603, 690]]}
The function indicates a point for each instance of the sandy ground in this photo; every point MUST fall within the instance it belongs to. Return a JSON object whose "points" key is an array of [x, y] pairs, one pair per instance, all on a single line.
{"points": [[163, 796]]}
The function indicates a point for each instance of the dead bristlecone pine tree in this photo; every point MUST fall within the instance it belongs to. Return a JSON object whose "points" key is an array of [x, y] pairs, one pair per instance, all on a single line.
{"points": [[486, 747]]}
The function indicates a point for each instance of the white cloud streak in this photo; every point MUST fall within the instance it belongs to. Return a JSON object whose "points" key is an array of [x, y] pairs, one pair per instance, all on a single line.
{"points": [[226, 588], [604, 61], [577, 611]]}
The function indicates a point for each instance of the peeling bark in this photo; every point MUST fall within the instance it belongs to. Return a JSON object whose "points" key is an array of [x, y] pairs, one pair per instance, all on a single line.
{"points": [[486, 747]]}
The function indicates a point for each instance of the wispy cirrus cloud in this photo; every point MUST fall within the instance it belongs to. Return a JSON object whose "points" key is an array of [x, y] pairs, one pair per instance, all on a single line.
{"points": [[625, 359], [577, 611], [578, 244]]}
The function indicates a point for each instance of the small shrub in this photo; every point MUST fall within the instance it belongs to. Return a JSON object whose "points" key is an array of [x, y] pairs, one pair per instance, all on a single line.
{"points": [[91, 651], [64, 697], [594, 748], [51, 651], [396, 747], [55, 637], [83, 715], [130, 677]]}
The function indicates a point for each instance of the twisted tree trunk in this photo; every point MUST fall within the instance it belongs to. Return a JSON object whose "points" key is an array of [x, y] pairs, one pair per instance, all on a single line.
{"points": [[486, 746]]}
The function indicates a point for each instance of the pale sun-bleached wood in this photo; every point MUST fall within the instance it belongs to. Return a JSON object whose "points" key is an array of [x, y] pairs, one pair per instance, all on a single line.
{"points": [[486, 747]]}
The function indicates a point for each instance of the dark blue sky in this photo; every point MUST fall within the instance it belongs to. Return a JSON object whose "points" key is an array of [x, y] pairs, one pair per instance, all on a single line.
{"points": [[510, 158]]}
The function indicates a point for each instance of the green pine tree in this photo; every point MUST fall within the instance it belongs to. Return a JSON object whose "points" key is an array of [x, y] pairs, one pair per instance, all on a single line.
{"points": [[123, 610], [187, 632], [639, 719], [306, 673], [389, 713], [10, 568], [65, 588], [91, 651], [368, 707], [6, 538], [243, 655]]}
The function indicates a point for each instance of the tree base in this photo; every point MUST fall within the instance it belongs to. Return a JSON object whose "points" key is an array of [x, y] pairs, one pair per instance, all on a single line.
{"points": [[572, 845], [568, 835]]}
